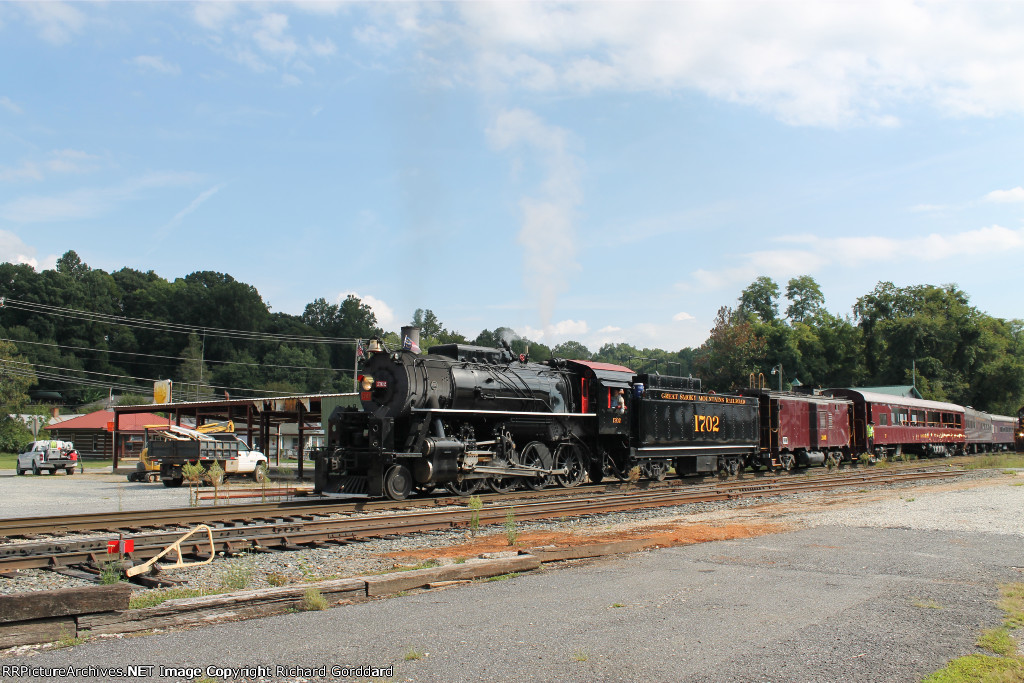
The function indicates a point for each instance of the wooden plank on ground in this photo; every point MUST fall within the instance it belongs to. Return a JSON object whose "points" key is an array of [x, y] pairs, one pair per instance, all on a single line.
{"points": [[17, 633], [594, 550], [64, 602], [386, 584], [203, 609]]}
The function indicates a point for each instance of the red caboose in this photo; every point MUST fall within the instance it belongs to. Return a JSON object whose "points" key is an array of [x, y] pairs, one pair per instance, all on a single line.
{"points": [[801, 429], [904, 425]]}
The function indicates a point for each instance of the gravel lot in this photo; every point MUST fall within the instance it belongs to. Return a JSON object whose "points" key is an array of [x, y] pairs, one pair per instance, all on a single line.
{"points": [[879, 585], [93, 491]]}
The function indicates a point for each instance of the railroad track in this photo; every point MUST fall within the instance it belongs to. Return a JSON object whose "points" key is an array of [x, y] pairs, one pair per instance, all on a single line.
{"points": [[290, 529], [162, 519]]}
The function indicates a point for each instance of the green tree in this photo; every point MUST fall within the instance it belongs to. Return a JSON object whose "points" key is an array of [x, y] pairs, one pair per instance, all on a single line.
{"points": [[732, 351], [572, 350], [760, 299], [806, 299]]}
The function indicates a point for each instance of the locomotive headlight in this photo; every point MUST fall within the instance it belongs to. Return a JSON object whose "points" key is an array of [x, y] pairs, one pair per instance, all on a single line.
{"points": [[367, 382]]}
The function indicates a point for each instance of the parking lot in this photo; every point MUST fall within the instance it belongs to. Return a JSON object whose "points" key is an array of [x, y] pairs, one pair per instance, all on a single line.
{"points": [[98, 490]]}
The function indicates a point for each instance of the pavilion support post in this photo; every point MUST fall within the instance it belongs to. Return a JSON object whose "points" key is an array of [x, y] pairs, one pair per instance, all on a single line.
{"points": [[300, 449]]}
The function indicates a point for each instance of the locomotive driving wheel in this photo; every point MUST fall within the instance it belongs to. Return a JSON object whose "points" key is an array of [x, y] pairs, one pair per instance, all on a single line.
{"points": [[502, 484], [536, 454], [398, 483], [570, 459], [466, 487]]}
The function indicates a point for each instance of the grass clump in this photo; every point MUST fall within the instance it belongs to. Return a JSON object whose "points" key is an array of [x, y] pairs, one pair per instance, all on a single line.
{"points": [[68, 640], [511, 530], [995, 461], [158, 597], [475, 505], [313, 601], [580, 656], [1006, 666], [237, 575], [502, 577], [979, 668], [997, 640], [414, 654], [276, 579], [1011, 601], [110, 573]]}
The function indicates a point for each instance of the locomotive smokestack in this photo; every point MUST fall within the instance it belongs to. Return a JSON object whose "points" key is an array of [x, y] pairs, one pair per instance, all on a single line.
{"points": [[411, 338]]}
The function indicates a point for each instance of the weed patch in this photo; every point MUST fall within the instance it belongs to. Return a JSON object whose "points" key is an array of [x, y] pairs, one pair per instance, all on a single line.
{"points": [[926, 604], [1005, 667], [313, 601], [158, 597], [414, 654], [997, 640], [979, 668]]}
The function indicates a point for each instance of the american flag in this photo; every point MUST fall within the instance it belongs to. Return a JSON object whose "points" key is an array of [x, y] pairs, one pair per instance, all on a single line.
{"points": [[409, 345], [359, 348]]}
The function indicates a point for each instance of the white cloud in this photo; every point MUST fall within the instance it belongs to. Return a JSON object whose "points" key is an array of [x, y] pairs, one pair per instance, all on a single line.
{"points": [[385, 314], [14, 250], [322, 48], [1014, 195], [26, 171], [682, 316], [262, 40], [816, 253], [805, 62], [87, 202], [9, 105], [58, 22], [270, 33], [557, 332], [157, 64], [214, 15], [72, 161]]}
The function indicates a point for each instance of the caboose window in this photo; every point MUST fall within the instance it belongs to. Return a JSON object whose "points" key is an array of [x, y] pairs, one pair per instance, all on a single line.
{"points": [[883, 420]]}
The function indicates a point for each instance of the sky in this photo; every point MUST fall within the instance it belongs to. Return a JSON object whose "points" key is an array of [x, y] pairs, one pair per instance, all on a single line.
{"points": [[601, 172]]}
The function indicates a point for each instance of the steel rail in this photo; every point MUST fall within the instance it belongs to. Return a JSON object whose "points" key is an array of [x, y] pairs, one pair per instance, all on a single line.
{"points": [[162, 518], [291, 534]]}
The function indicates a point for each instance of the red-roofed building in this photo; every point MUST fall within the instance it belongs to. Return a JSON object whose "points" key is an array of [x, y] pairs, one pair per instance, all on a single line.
{"points": [[93, 433]]}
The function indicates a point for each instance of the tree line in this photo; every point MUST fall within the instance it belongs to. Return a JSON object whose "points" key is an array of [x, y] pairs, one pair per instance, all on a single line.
{"points": [[925, 334]]}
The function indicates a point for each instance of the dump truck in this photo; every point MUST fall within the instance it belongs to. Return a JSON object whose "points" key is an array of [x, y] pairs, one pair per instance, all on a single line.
{"points": [[170, 448]]}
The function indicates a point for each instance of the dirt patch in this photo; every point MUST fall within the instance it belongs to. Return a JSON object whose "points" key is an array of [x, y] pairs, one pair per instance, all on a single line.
{"points": [[664, 535]]}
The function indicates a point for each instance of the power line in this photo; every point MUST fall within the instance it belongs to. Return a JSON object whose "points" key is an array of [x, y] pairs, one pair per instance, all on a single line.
{"points": [[175, 358], [160, 326], [25, 369]]}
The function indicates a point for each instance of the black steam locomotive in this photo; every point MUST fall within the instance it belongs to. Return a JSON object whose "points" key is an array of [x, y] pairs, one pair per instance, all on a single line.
{"points": [[466, 416]]}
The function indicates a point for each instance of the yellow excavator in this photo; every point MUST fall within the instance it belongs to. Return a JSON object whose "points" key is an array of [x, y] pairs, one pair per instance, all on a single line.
{"points": [[146, 469]]}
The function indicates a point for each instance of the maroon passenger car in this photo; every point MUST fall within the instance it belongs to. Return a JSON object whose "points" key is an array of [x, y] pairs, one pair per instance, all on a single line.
{"points": [[801, 429], [904, 425]]}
